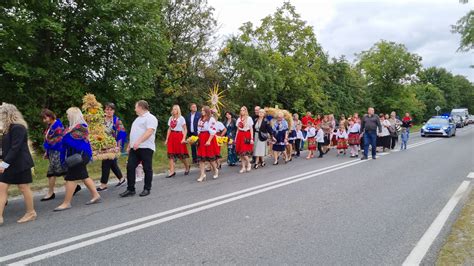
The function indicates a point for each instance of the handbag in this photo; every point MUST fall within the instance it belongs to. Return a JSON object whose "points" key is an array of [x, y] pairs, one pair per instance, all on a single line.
{"points": [[74, 160]]}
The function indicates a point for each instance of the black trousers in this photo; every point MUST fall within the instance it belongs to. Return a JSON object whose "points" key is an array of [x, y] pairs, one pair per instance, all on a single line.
{"points": [[394, 141], [298, 146], [108, 165], [145, 156], [193, 149], [320, 148]]}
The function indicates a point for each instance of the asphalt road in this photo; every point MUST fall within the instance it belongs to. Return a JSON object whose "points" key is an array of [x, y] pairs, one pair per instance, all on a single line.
{"points": [[331, 211]]}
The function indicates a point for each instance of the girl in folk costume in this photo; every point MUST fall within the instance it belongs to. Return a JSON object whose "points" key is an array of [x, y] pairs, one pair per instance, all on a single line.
{"points": [[244, 139], [53, 146], [341, 136], [76, 141], [280, 138], [311, 138], [208, 150], [354, 138], [176, 141], [113, 127]]}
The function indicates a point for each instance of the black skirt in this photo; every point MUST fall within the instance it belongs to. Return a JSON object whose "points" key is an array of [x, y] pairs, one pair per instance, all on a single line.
{"points": [[24, 177], [384, 141], [78, 172]]}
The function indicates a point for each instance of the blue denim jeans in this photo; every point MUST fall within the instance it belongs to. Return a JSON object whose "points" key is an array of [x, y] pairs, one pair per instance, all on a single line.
{"points": [[370, 138]]}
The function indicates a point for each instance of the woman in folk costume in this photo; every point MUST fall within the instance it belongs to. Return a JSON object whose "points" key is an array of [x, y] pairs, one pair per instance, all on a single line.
{"points": [[176, 141], [341, 137], [244, 139], [76, 141], [208, 150], [113, 127], [280, 137], [53, 147]]}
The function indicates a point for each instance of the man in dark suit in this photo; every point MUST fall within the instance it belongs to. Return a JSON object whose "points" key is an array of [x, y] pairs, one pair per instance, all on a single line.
{"points": [[192, 120]]}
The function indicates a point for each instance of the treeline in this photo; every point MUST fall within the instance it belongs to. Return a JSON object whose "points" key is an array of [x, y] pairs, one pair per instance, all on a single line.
{"points": [[53, 52]]}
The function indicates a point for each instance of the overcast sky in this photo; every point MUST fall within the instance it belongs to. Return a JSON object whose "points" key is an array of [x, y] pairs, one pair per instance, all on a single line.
{"points": [[348, 27]]}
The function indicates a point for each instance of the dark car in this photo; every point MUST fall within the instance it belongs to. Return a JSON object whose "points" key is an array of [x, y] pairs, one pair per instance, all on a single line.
{"points": [[458, 121]]}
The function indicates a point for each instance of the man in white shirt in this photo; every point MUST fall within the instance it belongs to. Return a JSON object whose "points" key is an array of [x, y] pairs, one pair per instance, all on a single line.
{"points": [[141, 148]]}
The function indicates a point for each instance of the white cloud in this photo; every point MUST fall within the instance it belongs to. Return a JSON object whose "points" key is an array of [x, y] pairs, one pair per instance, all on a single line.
{"points": [[349, 27]]}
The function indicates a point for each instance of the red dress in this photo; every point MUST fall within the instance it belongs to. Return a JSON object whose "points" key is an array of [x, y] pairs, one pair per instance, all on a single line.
{"points": [[212, 152], [176, 149], [243, 145]]}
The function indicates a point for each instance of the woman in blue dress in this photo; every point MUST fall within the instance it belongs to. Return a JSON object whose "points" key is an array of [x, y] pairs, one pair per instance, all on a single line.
{"points": [[231, 126], [280, 138]]}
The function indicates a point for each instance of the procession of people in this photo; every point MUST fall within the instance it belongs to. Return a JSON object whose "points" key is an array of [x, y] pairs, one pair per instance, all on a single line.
{"points": [[248, 140]]}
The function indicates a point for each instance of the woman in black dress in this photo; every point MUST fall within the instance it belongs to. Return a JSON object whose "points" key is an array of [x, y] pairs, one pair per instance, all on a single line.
{"points": [[76, 141], [17, 161]]}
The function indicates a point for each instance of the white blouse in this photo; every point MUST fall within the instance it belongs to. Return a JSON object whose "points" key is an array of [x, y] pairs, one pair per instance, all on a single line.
{"points": [[385, 125], [244, 126], [341, 134], [320, 136], [311, 132], [219, 126], [177, 124], [354, 128], [208, 126]]}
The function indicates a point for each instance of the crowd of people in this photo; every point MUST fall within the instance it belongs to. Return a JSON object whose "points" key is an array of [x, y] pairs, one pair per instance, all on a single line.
{"points": [[250, 139]]}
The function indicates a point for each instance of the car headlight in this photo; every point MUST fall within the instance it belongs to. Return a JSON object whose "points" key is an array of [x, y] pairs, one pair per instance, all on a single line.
{"points": [[423, 127], [445, 128]]}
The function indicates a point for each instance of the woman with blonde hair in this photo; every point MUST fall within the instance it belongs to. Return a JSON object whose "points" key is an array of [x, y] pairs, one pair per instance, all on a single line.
{"points": [[176, 141], [17, 161], [244, 139], [77, 154]]}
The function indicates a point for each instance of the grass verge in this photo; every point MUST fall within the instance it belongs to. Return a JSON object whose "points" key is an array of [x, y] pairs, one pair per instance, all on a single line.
{"points": [[459, 247]]}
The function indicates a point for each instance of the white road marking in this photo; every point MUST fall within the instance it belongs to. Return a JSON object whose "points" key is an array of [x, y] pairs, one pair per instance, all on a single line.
{"points": [[470, 175], [171, 217], [157, 215], [222, 200], [424, 244]]}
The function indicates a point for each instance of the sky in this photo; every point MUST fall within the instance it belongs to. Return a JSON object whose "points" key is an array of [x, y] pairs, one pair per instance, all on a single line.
{"points": [[345, 27]]}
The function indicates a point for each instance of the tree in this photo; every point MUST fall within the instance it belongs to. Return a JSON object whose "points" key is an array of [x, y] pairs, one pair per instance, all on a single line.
{"points": [[276, 63], [388, 67], [53, 52], [430, 96], [465, 27], [444, 80], [189, 27], [345, 88]]}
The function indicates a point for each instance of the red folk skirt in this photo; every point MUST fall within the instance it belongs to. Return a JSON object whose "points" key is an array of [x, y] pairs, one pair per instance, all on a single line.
{"points": [[312, 145], [341, 144], [176, 149], [354, 139], [243, 147], [333, 140], [207, 153]]}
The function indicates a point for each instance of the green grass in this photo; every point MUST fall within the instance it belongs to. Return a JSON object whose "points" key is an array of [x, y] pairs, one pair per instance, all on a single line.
{"points": [[459, 247], [160, 165]]}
